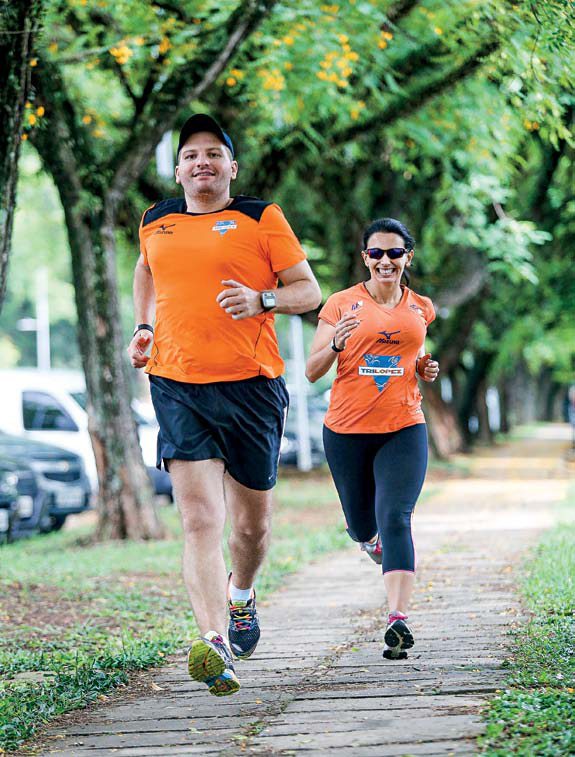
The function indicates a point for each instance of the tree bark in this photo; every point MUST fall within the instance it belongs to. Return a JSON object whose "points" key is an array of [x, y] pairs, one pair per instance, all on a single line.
{"points": [[18, 25], [444, 434]]}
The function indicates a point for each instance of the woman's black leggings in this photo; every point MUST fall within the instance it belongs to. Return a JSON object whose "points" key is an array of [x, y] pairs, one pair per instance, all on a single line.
{"points": [[378, 478]]}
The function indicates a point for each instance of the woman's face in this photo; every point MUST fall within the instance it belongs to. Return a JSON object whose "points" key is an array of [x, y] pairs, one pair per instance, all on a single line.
{"points": [[386, 271]]}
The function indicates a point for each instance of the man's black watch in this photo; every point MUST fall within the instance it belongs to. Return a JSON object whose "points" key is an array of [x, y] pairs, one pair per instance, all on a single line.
{"points": [[142, 327], [268, 300]]}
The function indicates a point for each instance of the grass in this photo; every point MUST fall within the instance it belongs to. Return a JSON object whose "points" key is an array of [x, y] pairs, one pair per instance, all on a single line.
{"points": [[77, 618], [535, 715]]}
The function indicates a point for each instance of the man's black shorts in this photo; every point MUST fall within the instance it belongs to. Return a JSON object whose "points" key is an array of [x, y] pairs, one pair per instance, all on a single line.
{"points": [[240, 422]]}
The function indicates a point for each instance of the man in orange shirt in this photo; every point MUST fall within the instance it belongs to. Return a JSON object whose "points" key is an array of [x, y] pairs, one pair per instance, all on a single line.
{"points": [[208, 269]]}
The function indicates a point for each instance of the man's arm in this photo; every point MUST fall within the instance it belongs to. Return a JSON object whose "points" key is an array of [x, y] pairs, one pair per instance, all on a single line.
{"points": [[299, 294], [144, 310]]}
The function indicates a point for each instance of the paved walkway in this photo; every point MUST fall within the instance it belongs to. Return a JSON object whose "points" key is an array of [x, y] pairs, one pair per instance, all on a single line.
{"points": [[319, 685]]}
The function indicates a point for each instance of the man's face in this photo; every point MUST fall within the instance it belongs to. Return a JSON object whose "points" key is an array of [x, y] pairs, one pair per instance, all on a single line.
{"points": [[205, 166]]}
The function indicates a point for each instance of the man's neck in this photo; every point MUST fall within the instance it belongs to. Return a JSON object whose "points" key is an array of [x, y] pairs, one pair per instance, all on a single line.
{"points": [[207, 203]]}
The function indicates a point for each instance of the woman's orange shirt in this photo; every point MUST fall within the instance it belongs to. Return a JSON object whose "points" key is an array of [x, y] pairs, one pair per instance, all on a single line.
{"points": [[376, 389]]}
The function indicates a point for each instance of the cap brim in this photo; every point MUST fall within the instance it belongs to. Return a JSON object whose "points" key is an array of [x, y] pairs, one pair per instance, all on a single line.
{"points": [[202, 122]]}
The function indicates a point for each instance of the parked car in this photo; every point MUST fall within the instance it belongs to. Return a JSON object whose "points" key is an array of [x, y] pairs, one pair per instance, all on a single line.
{"points": [[52, 483], [50, 406], [8, 500]]}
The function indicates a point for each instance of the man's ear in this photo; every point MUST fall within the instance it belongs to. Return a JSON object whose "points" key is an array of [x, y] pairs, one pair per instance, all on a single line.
{"points": [[235, 169], [177, 174]]}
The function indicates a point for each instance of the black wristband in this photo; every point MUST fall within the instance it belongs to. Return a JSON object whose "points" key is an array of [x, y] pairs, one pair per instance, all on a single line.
{"points": [[334, 348], [142, 326]]}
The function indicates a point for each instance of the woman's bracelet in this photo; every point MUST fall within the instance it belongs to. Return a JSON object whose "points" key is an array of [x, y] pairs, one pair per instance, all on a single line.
{"points": [[334, 348]]}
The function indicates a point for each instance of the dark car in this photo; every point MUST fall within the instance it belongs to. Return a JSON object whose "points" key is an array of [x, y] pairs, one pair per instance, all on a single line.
{"points": [[8, 500], [54, 485]]}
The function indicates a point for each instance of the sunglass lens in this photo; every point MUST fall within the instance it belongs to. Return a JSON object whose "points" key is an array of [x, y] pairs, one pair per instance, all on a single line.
{"points": [[375, 253]]}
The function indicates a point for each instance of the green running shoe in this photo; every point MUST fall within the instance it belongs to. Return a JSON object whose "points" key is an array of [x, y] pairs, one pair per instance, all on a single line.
{"points": [[210, 662]]}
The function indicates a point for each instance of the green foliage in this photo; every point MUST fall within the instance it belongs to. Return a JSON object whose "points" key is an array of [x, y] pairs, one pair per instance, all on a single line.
{"points": [[536, 712]]}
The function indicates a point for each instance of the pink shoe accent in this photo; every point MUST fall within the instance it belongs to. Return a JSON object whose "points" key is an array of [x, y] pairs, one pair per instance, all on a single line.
{"points": [[393, 616]]}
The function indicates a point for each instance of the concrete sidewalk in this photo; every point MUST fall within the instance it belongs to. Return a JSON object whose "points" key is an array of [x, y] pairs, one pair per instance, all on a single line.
{"points": [[318, 684]]}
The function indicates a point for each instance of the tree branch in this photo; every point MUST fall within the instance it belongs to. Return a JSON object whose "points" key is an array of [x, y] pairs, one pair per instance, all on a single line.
{"points": [[161, 111]]}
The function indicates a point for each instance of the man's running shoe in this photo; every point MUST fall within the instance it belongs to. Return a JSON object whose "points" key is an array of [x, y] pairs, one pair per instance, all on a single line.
{"points": [[210, 662], [398, 637], [374, 550], [244, 627]]}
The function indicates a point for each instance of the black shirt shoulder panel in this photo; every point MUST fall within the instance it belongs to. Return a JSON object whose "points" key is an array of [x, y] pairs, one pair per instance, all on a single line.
{"points": [[164, 208], [249, 206]]}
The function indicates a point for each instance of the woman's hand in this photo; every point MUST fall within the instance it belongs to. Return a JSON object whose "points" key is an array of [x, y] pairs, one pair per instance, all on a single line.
{"points": [[344, 328], [426, 368]]}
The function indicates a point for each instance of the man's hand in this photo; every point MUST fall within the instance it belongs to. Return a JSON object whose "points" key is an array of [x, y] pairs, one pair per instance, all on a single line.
{"points": [[426, 368], [138, 347], [239, 301]]}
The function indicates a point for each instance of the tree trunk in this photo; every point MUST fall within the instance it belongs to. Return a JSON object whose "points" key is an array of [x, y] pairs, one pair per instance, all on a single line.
{"points": [[444, 434], [125, 501], [18, 25], [484, 434], [503, 389]]}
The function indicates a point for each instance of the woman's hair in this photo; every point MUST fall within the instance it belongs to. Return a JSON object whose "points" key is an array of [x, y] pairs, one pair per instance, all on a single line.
{"points": [[389, 226]]}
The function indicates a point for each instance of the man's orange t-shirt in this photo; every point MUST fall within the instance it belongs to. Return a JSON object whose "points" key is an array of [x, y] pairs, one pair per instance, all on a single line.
{"points": [[376, 390], [189, 256]]}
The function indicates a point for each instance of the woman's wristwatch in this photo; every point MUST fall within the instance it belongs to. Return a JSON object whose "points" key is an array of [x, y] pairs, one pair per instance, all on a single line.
{"points": [[334, 348]]}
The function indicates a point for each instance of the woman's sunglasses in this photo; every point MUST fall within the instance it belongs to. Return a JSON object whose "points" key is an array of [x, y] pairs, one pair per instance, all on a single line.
{"points": [[376, 253]]}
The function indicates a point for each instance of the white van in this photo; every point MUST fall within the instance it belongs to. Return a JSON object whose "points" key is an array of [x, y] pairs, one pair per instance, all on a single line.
{"points": [[50, 406]]}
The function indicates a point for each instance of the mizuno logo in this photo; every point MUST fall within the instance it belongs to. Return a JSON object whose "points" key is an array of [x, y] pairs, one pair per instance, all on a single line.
{"points": [[387, 337], [164, 229]]}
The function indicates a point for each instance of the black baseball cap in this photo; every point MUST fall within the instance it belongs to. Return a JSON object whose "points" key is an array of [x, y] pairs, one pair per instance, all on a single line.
{"points": [[203, 122]]}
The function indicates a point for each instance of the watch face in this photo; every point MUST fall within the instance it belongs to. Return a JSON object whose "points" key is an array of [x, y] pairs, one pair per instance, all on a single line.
{"points": [[268, 300]]}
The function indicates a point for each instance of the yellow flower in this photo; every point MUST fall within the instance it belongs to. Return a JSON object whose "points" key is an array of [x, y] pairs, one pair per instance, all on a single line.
{"points": [[87, 119], [387, 35], [53, 48], [352, 55], [139, 41], [438, 30], [354, 113], [237, 73], [342, 82], [535, 125], [33, 62], [31, 119], [164, 46], [288, 66], [98, 133], [231, 81], [527, 124], [322, 75], [343, 38], [27, 104], [382, 44], [288, 40], [347, 71], [24, 137], [40, 111]]}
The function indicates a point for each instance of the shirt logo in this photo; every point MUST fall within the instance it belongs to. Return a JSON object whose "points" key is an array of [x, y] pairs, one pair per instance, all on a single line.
{"points": [[387, 337], [418, 310], [164, 229], [381, 368], [357, 305], [223, 226]]}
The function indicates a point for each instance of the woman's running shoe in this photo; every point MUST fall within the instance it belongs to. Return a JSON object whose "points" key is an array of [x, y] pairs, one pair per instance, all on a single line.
{"points": [[398, 637], [244, 627], [373, 549], [210, 662]]}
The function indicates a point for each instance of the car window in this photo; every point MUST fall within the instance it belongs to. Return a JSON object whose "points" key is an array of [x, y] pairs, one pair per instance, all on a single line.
{"points": [[80, 398], [43, 412]]}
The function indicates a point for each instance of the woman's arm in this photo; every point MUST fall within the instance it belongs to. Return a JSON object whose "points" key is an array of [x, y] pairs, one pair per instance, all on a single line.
{"points": [[426, 368], [322, 356]]}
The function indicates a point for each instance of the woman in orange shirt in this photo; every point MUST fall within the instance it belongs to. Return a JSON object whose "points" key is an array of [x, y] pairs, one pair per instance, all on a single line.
{"points": [[375, 436]]}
